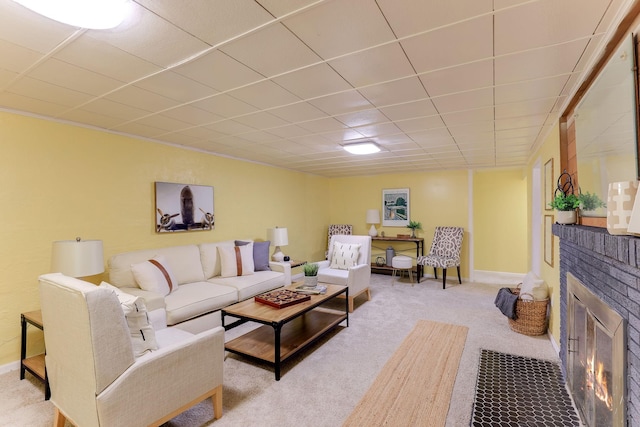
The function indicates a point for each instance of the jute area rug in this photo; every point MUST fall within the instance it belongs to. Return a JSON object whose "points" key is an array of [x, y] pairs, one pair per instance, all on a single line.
{"points": [[414, 387]]}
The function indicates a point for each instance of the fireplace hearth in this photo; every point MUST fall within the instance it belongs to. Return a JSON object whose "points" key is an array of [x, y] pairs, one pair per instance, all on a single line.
{"points": [[606, 271]]}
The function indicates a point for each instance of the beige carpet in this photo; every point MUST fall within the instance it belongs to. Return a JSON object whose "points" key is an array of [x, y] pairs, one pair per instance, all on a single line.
{"points": [[323, 385], [414, 387]]}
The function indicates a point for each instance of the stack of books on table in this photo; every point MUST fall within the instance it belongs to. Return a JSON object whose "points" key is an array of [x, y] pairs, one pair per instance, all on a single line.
{"points": [[311, 290]]}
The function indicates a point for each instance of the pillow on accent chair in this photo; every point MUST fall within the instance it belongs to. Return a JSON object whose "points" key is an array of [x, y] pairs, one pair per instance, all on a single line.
{"points": [[143, 337], [155, 275], [260, 254], [344, 255], [237, 260]]}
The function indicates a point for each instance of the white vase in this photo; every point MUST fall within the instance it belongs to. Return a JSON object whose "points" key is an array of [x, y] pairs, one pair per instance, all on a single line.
{"points": [[566, 217], [311, 281], [620, 200]]}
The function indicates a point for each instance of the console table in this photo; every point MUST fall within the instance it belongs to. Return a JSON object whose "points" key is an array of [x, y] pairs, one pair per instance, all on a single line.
{"points": [[34, 364], [417, 242]]}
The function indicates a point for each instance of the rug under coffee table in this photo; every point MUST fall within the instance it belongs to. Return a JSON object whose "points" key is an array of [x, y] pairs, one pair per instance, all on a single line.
{"points": [[286, 330]]}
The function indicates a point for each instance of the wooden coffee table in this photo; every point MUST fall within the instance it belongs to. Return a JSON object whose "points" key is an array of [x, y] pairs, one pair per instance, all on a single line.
{"points": [[287, 330]]}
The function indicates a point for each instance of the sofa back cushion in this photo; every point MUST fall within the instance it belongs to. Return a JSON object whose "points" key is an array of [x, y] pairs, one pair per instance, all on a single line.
{"points": [[210, 258], [184, 262]]}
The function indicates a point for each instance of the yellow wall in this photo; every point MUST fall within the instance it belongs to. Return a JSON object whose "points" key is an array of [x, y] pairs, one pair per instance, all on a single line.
{"points": [[61, 181], [550, 149], [501, 236]]}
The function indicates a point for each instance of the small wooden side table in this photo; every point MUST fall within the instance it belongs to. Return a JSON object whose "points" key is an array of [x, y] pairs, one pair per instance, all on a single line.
{"points": [[295, 264], [34, 364]]}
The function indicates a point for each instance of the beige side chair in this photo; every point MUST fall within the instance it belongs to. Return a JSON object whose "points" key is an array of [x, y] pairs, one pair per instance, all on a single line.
{"points": [[94, 376], [357, 277], [444, 252]]}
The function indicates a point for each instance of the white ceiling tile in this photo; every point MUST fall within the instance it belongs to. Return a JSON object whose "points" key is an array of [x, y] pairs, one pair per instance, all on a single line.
{"points": [[420, 123], [464, 100], [519, 109], [299, 112], [271, 51], [225, 106], [540, 63], [122, 112], [21, 57], [423, 107], [26, 28], [341, 103], [153, 39], [38, 89], [66, 75], [192, 115], [313, 81], [459, 79], [90, 118], [213, 21], [395, 92], [379, 130], [338, 27], [469, 116], [520, 122], [530, 89], [323, 125], [261, 120], [279, 8], [360, 118], [466, 42], [230, 127], [219, 71], [140, 98], [387, 62], [175, 86], [544, 23], [414, 16], [102, 58], [265, 94]]}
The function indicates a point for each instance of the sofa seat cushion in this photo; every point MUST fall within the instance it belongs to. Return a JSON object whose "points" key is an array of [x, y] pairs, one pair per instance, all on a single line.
{"points": [[250, 286], [333, 275], [194, 299]]}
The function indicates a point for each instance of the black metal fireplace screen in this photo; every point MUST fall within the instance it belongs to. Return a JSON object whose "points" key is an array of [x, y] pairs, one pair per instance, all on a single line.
{"points": [[596, 357]]}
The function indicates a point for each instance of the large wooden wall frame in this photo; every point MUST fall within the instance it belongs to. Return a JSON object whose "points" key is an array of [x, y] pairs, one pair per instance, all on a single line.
{"points": [[568, 159]]}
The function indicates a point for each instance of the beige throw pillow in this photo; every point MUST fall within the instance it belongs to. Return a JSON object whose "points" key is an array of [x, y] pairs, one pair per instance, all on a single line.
{"points": [[155, 275], [143, 336], [345, 255], [236, 260]]}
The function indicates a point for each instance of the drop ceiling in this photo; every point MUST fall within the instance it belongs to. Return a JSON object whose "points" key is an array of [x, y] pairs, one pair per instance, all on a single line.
{"points": [[463, 84]]}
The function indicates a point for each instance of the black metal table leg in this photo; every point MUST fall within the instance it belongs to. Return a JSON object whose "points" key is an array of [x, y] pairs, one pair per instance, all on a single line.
{"points": [[277, 329]]}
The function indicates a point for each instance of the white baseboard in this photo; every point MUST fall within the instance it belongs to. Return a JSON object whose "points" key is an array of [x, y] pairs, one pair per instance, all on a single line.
{"points": [[497, 277], [12, 366]]}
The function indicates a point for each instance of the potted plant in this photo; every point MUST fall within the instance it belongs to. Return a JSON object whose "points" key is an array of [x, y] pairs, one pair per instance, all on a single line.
{"points": [[566, 205], [414, 225], [590, 203], [310, 274]]}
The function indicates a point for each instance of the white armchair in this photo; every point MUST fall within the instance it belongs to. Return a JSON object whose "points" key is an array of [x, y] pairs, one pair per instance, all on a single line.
{"points": [[95, 377], [356, 277]]}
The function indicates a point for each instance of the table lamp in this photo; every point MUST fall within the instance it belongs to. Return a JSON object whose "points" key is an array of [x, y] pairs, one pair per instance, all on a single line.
{"points": [[278, 237], [373, 218], [77, 258]]}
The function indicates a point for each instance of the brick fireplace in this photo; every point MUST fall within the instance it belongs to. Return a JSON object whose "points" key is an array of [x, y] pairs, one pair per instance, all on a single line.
{"points": [[609, 268]]}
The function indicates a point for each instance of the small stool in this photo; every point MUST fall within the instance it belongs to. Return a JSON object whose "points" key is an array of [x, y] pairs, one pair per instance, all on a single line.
{"points": [[401, 263]]}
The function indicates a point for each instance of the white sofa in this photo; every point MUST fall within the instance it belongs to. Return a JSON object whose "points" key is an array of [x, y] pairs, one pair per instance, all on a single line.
{"points": [[202, 292]]}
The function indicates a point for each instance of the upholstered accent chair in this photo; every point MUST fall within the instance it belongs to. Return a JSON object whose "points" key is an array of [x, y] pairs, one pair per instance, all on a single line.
{"points": [[96, 377], [444, 252], [348, 264], [346, 229]]}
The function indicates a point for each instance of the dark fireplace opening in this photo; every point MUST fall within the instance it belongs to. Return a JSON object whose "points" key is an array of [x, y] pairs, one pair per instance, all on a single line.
{"points": [[596, 357]]}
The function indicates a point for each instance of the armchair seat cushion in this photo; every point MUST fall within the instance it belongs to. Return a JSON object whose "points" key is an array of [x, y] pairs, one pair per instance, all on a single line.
{"points": [[438, 261], [333, 275], [193, 299]]}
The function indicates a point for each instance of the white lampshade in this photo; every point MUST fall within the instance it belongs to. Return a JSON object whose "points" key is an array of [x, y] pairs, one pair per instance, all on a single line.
{"points": [[373, 216], [278, 237], [77, 258]]}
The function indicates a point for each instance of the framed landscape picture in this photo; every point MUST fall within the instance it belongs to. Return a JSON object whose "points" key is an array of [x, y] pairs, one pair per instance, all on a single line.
{"points": [[395, 207], [183, 207]]}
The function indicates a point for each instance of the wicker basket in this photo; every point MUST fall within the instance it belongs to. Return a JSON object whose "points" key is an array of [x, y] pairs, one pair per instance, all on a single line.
{"points": [[531, 316]]}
